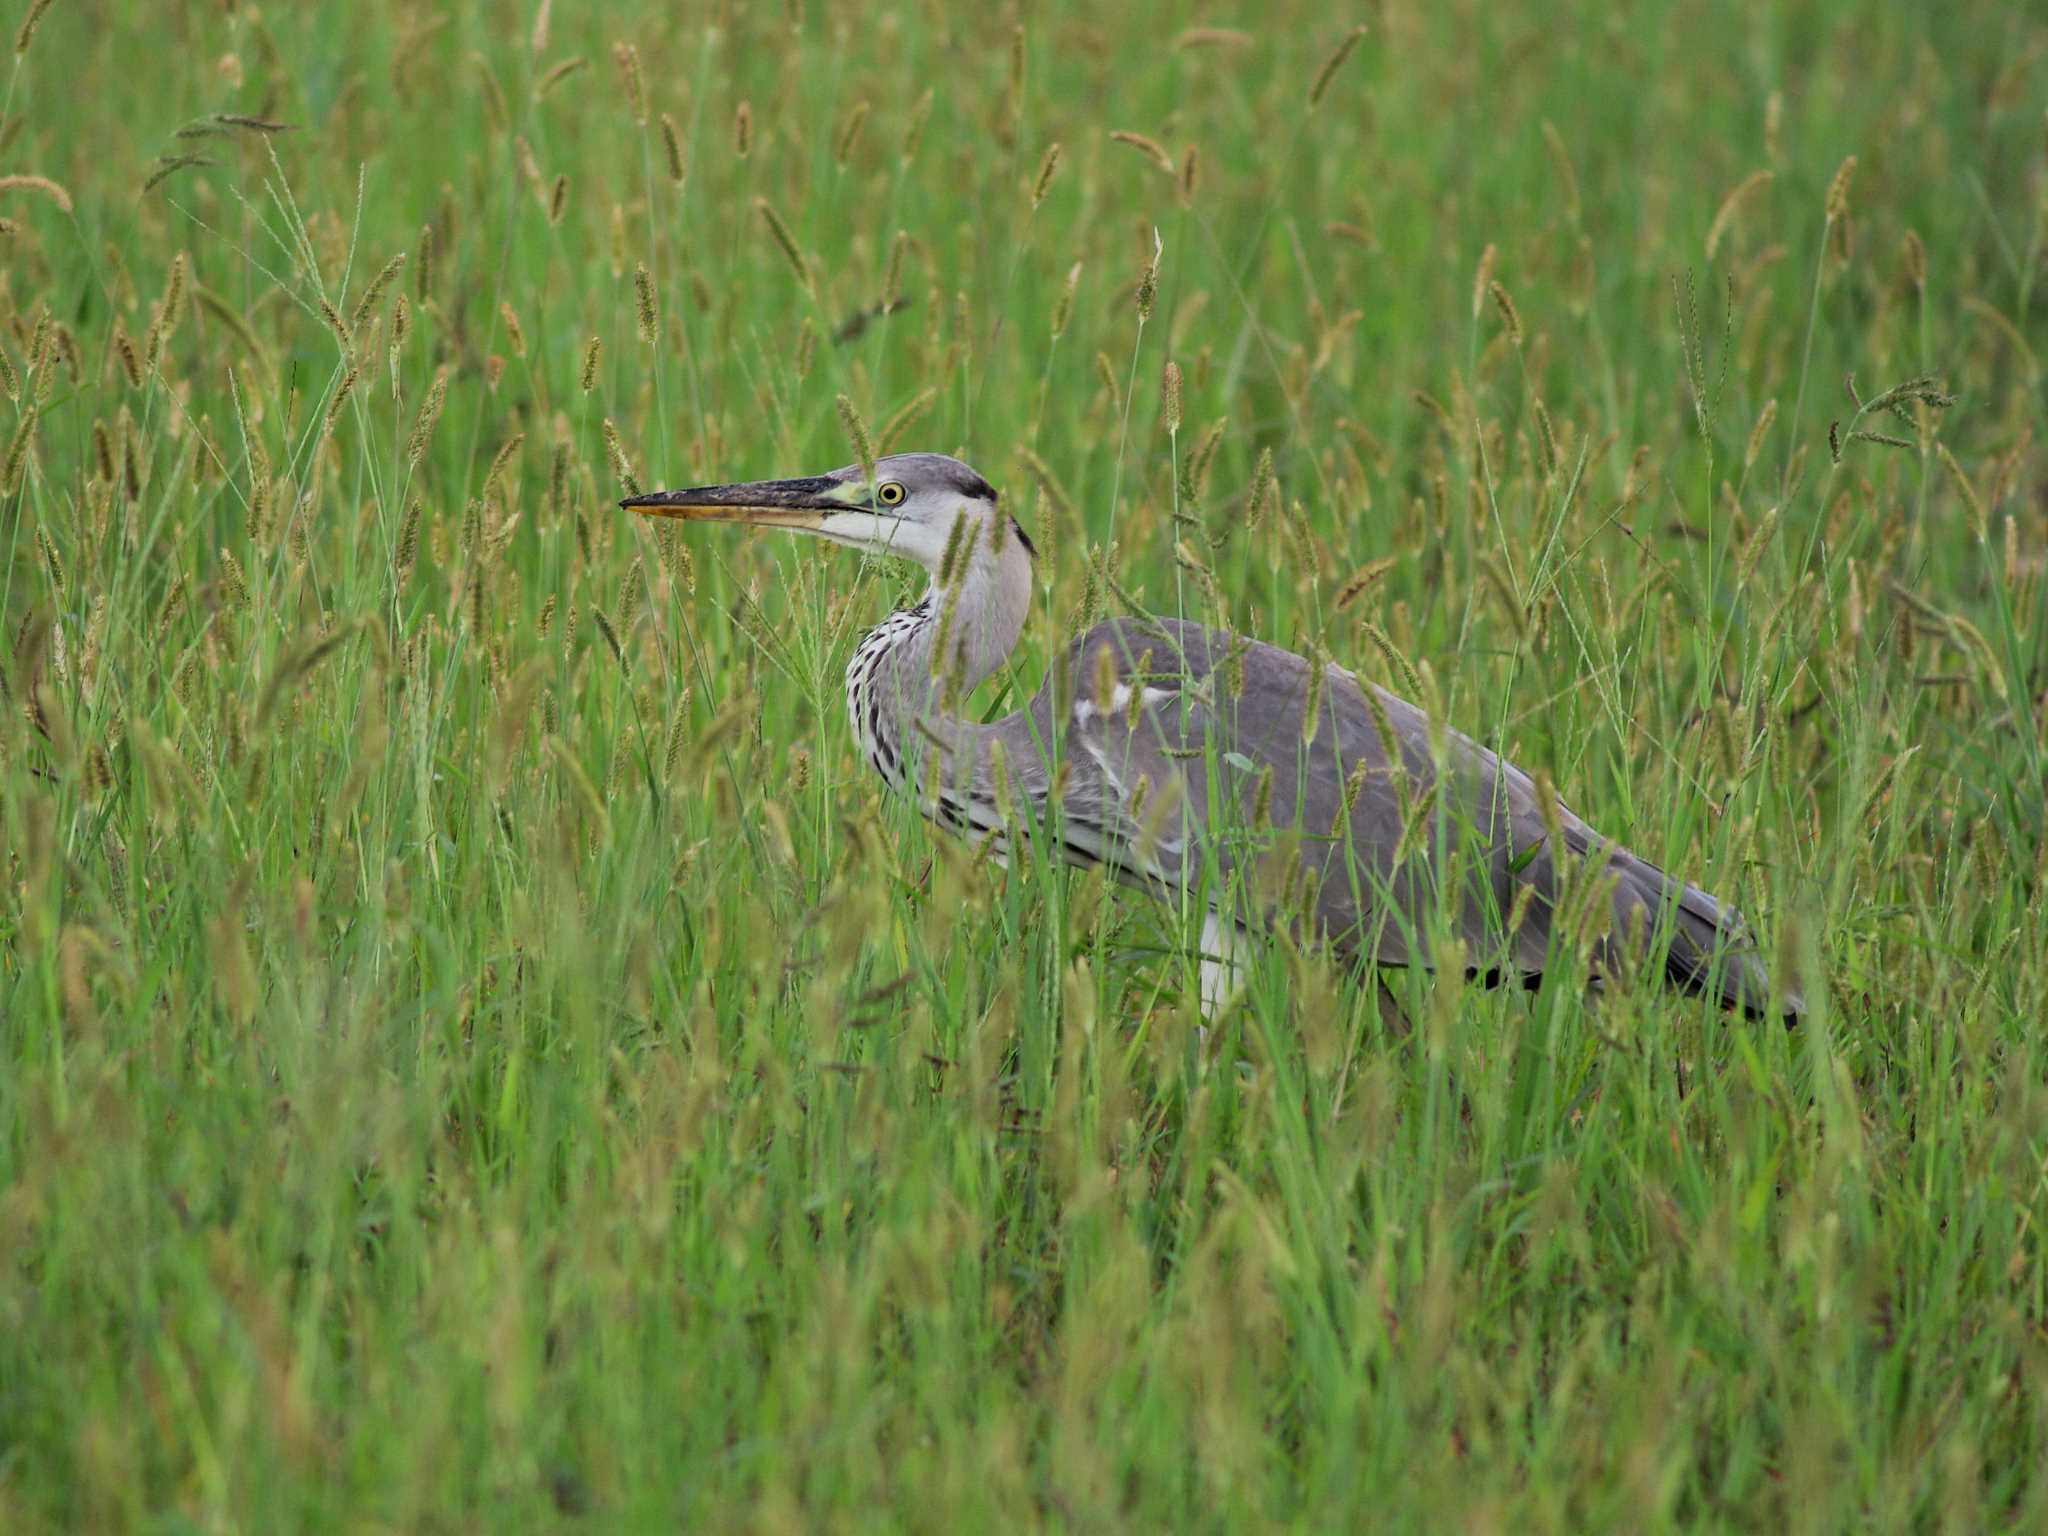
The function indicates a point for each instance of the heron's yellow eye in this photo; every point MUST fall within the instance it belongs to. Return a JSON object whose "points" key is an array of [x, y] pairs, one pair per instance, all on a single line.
{"points": [[889, 494]]}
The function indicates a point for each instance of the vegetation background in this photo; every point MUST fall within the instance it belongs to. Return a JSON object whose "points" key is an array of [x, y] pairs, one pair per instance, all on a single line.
{"points": [[479, 1052]]}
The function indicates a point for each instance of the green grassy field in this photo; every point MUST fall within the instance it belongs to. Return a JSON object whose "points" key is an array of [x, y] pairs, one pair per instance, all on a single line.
{"points": [[477, 1049]]}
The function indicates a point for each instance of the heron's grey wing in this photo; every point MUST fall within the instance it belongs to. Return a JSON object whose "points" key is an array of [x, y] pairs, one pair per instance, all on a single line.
{"points": [[1320, 802]]}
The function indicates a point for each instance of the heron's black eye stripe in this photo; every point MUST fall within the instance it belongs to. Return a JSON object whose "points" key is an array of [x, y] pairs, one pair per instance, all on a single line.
{"points": [[889, 494]]}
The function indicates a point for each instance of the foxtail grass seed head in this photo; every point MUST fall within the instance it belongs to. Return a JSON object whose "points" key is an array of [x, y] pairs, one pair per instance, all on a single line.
{"points": [[672, 149], [1148, 280], [627, 58], [42, 186], [500, 461], [743, 130], [1561, 169], [678, 741], [1731, 205], [336, 324], [1063, 308], [1190, 175], [1169, 389], [1321, 85], [892, 279], [913, 133], [341, 394], [558, 198], [529, 169], [857, 435], [1838, 190], [1195, 470], [408, 540], [848, 136], [29, 23], [1150, 148], [1759, 433], [234, 587], [557, 74], [174, 295], [1913, 256], [374, 294], [1048, 168], [17, 451], [784, 240], [515, 333], [423, 273], [130, 359], [1261, 491], [10, 381], [643, 293], [1510, 316], [1211, 37], [615, 452], [1482, 280], [591, 354], [429, 414]]}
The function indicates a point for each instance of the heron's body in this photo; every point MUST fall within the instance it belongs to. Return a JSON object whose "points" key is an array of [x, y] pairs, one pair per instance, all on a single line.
{"points": [[1187, 759]]}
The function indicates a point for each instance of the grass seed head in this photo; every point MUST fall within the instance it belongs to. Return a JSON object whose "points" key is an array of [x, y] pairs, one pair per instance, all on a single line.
{"points": [[1731, 205], [1262, 488], [1510, 316], [591, 353], [1211, 37], [423, 273], [41, 185], [429, 416], [784, 240], [857, 435], [1148, 282], [374, 294], [1048, 168], [1169, 390], [1838, 190], [408, 541], [1063, 307], [1913, 257], [643, 293], [1321, 85], [29, 23], [1150, 148], [848, 136], [627, 58], [557, 74], [615, 452], [1760, 433], [892, 279], [672, 149], [743, 129], [130, 358], [340, 398]]}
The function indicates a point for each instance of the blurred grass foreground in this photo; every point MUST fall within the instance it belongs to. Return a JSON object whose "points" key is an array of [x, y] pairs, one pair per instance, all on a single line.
{"points": [[479, 1052]]}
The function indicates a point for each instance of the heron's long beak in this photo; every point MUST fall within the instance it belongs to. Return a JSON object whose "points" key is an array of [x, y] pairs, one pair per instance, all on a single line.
{"points": [[764, 503]]}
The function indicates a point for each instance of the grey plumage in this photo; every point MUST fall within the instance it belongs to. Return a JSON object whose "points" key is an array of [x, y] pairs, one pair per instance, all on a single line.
{"points": [[1184, 758]]}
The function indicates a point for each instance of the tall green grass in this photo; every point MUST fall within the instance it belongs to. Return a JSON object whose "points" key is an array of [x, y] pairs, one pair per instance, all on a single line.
{"points": [[480, 1051]]}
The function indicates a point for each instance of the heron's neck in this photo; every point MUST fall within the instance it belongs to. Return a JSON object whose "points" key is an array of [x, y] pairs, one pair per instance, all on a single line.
{"points": [[911, 674]]}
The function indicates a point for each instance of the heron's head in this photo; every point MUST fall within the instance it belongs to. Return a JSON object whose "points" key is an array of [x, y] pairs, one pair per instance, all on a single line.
{"points": [[920, 506]]}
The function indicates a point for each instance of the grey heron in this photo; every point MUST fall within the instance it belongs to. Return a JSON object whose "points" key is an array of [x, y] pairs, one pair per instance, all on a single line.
{"points": [[1184, 759]]}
